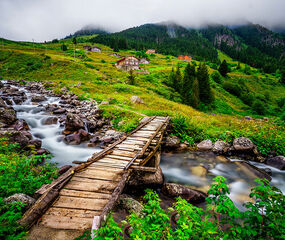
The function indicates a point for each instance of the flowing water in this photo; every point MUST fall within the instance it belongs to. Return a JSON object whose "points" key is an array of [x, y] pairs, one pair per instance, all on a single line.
{"points": [[183, 168], [52, 139]]}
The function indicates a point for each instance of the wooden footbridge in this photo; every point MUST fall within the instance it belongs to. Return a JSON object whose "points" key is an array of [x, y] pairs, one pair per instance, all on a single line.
{"points": [[80, 198]]}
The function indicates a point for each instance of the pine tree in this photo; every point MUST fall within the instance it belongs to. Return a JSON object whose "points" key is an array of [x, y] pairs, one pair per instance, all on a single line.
{"points": [[187, 88], [171, 78], [238, 66], [178, 80], [223, 69], [205, 93], [63, 47], [195, 101], [116, 48], [74, 41]]}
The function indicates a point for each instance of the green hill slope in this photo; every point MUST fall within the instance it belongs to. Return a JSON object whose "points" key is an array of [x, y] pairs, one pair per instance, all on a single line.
{"points": [[93, 76]]}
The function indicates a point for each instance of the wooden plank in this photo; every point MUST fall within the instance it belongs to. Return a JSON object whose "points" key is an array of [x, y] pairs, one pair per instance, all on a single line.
{"points": [[66, 222], [105, 167], [123, 153], [66, 212], [100, 174], [119, 157], [144, 169], [137, 138], [98, 186], [90, 180], [131, 146], [114, 161], [84, 194], [80, 203]]}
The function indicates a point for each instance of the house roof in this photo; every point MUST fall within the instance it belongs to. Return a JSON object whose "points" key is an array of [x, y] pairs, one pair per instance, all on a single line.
{"points": [[127, 57]]}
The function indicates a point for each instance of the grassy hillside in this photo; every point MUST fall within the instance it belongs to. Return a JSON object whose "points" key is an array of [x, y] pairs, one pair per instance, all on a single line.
{"points": [[93, 76]]}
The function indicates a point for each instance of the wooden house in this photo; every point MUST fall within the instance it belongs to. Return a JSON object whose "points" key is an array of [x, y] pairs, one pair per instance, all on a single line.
{"points": [[149, 51], [92, 49], [185, 58], [144, 61], [128, 63]]}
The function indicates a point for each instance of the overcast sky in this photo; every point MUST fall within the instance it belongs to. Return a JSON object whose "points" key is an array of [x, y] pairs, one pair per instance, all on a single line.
{"points": [[48, 19]]}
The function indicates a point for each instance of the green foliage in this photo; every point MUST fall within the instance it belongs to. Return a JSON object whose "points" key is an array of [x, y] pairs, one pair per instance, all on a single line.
{"points": [[216, 76], [232, 88], [205, 94], [131, 78], [19, 174], [263, 218], [63, 47], [224, 69], [258, 107]]}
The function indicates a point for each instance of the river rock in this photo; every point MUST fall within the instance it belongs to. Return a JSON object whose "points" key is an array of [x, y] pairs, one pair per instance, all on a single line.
{"points": [[131, 205], [142, 180], [39, 98], [1, 85], [243, 144], [21, 125], [2, 103], [50, 120], [73, 122], [59, 111], [172, 142], [199, 171], [8, 116], [18, 100], [205, 145], [221, 147], [16, 136], [73, 139], [136, 99], [20, 197], [174, 190], [42, 151], [36, 142], [277, 162]]}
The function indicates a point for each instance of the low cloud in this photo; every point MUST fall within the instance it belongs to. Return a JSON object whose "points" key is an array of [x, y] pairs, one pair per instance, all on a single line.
{"points": [[48, 19]]}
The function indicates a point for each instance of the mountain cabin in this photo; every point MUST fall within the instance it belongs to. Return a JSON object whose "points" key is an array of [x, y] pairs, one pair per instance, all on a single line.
{"points": [[128, 63], [149, 51], [185, 58], [92, 49]]}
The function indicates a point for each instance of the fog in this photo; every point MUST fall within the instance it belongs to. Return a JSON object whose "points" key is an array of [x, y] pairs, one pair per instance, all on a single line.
{"points": [[48, 19]]}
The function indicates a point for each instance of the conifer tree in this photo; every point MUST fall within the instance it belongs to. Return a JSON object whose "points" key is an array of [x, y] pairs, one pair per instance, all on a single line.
{"points": [[195, 101], [171, 78], [205, 93], [178, 80], [224, 69], [187, 88]]}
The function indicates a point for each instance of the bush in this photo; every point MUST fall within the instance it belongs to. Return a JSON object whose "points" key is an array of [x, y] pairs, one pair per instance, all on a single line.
{"points": [[247, 98], [217, 77], [258, 107], [232, 88]]}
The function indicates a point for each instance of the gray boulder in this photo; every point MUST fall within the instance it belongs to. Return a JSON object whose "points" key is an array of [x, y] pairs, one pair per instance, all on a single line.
{"points": [[50, 120], [221, 147], [172, 142], [20, 197], [174, 190], [131, 205], [205, 145], [73, 122], [40, 98], [243, 144], [136, 99], [277, 162], [8, 116]]}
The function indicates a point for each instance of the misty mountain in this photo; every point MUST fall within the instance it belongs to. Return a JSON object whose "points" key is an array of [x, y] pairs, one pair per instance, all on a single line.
{"points": [[169, 39], [251, 44], [88, 30]]}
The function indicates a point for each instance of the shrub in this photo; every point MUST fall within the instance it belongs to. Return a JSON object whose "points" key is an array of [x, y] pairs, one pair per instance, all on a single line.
{"points": [[232, 88], [258, 107], [247, 98], [217, 77]]}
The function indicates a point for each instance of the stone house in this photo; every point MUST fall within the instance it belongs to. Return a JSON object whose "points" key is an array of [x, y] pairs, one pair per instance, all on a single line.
{"points": [[128, 63], [144, 61], [92, 49]]}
